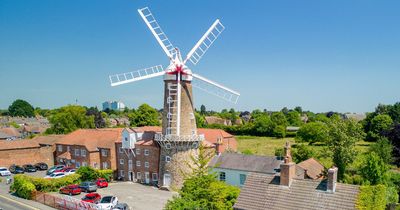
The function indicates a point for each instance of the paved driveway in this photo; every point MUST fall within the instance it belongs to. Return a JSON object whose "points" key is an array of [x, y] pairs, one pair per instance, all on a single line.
{"points": [[137, 196]]}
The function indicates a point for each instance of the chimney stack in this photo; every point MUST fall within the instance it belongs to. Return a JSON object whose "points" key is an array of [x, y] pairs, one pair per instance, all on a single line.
{"points": [[218, 145], [332, 179], [288, 168]]}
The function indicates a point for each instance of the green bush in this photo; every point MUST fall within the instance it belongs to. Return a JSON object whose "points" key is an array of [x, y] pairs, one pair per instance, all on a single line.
{"points": [[106, 174], [88, 173], [23, 187], [372, 197]]}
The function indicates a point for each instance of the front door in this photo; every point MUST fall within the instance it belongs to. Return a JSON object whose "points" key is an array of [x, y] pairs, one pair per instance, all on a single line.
{"points": [[130, 176], [147, 177], [167, 179]]}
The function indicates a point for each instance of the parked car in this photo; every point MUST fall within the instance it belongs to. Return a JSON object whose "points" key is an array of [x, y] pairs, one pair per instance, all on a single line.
{"points": [[52, 169], [55, 175], [64, 169], [92, 198], [15, 169], [122, 206], [41, 166], [108, 202], [4, 171], [72, 189], [101, 182], [70, 171], [88, 186], [29, 168]]}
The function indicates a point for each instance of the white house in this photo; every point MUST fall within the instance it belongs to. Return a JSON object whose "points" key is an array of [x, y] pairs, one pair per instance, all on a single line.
{"points": [[233, 168]]}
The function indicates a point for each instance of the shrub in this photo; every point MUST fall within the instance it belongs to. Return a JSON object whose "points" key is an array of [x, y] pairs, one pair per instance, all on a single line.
{"points": [[302, 152], [87, 173], [23, 187], [372, 197], [106, 174]]}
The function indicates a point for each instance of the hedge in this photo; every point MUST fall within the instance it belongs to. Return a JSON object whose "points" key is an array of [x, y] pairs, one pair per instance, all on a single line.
{"points": [[90, 174], [24, 186], [372, 197]]}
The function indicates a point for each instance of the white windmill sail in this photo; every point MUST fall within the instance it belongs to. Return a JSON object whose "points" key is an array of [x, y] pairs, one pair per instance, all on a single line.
{"points": [[205, 42], [158, 33], [214, 88], [119, 79]]}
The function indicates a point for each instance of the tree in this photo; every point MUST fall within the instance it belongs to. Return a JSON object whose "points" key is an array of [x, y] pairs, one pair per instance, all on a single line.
{"points": [[342, 138], [203, 110], [313, 132], [200, 121], [99, 121], [69, 118], [202, 190], [394, 136], [279, 118], [383, 148], [380, 124], [21, 108], [298, 109], [263, 125], [374, 169], [302, 152], [394, 112], [285, 110], [293, 118], [279, 131], [145, 115]]}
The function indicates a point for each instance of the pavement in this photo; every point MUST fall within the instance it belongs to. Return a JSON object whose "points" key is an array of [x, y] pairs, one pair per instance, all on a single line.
{"points": [[137, 196]]}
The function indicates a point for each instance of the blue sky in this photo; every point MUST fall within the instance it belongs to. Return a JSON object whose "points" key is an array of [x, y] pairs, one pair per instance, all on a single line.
{"points": [[321, 55]]}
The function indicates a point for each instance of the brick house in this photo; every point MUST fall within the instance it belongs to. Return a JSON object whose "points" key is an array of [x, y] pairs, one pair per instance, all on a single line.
{"points": [[138, 155], [89, 147]]}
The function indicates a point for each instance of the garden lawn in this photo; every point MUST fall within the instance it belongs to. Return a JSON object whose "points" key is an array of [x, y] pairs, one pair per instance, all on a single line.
{"points": [[267, 145]]}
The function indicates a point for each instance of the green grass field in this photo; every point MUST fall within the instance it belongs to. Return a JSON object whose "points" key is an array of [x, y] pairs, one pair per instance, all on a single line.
{"points": [[267, 145]]}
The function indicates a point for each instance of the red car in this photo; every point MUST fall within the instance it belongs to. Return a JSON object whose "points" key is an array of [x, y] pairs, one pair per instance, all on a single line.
{"points": [[92, 198], [65, 169], [101, 182], [72, 189]]}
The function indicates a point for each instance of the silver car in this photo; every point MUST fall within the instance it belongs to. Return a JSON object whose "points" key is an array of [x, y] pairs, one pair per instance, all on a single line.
{"points": [[88, 186]]}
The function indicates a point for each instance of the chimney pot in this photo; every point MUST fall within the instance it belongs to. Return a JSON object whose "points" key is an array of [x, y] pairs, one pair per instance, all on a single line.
{"points": [[332, 179]]}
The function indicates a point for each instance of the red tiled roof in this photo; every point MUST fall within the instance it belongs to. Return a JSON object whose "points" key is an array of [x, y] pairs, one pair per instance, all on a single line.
{"points": [[10, 131], [18, 144], [48, 140], [314, 169], [65, 155], [93, 138]]}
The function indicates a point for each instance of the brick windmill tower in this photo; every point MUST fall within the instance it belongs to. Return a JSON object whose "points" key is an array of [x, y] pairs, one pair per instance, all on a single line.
{"points": [[179, 139]]}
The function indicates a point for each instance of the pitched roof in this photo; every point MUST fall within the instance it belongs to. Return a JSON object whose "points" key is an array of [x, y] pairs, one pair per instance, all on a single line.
{"points": [[18, 144], [93, 138], [65, 155], [212, 135], [314, 169], [251, 163], [10, 131], [48, 140], [147, 129], [146, 143], [262, 191]]}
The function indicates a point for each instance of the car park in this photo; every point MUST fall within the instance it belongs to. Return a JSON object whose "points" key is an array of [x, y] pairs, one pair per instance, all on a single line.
{"points": [[108, 202], [101, 182], [88, 186], [92, 198], [55, 175], [4, 171], [54, 168], [72, 189], [41, 166], [29, 168], [15, 169], [121, 206]]}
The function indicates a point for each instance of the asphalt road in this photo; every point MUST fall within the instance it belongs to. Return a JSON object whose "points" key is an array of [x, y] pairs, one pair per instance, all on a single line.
{"points": [[10, 204]]}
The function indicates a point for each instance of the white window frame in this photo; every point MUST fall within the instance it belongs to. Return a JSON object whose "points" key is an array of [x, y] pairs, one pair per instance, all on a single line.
{"points": [[146, 152], [105, 165], [121, 173], [167, 159], [168, 146], [138, 175], [77, 164], [146, 164], [154, 176], [60, 148], [121, 161], [68, 148], [240, 178], [83, 152], [104, 152], [138, 151], [222, 174], [77, 152], [130, 164], [138, 163], [120, 150]]}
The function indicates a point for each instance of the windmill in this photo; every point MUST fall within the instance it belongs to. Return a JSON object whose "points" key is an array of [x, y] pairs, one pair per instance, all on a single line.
{"points": [[179, 136]]}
